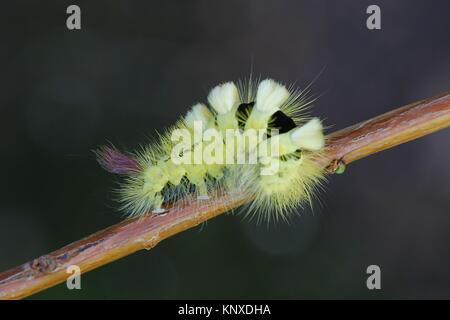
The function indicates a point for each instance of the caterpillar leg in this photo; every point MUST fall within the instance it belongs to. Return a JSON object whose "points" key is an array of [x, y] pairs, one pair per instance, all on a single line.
{"points": [[158, 209], [203, 192]]}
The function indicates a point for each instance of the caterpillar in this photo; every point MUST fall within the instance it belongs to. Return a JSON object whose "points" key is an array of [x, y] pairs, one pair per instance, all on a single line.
{"points": [[252, 137]]}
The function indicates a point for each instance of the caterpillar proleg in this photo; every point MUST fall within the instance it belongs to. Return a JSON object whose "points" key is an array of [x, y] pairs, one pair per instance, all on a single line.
{"points": [[253, 138]]}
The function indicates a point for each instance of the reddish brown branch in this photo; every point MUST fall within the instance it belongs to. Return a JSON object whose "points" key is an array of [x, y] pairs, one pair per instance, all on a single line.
{"points": [[389, 130], [347, 145]]}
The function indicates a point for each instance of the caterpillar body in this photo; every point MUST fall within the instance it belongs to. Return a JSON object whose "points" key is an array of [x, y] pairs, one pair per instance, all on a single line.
{"points": [[252, 137]]}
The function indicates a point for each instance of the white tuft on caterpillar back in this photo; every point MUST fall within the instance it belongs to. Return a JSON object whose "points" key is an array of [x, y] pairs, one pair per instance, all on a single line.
{"points": [[253, 138]]}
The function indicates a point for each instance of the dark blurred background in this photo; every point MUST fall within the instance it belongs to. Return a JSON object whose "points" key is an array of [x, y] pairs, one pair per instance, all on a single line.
{"points": [[135, 66]]}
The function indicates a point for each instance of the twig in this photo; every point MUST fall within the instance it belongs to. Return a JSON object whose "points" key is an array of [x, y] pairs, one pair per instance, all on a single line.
{"points": [[344, 146], [388, 130]]}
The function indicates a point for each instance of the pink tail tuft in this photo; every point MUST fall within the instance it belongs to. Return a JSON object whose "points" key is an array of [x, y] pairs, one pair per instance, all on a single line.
{"points": [[114, 161]]}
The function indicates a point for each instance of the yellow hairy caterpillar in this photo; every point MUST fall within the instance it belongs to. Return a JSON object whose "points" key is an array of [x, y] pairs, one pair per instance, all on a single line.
{"points": [[252, 138]]}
